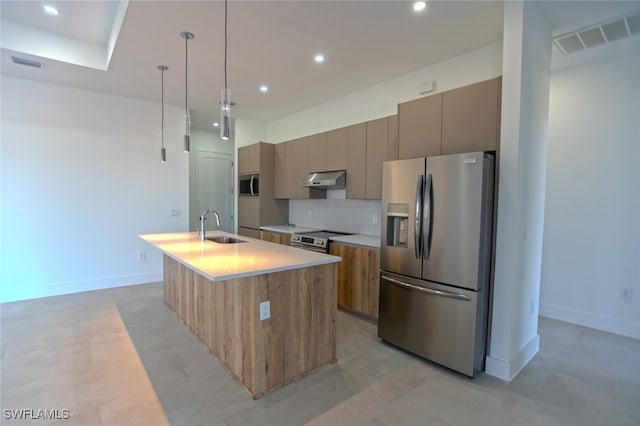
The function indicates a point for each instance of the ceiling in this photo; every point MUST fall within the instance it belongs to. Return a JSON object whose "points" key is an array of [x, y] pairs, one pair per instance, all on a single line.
{"points": [[115, 46]]}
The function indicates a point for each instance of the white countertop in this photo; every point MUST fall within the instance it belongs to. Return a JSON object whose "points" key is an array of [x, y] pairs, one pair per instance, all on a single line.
{"points": [[220, 262], [370, 241], [286, 229]]}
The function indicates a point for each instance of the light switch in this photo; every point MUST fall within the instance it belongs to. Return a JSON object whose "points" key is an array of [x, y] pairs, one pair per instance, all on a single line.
{"points": [[265, 310]]}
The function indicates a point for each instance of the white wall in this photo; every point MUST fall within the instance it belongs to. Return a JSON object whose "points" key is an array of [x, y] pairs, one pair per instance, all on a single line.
{"points": [[81, 177], [592, 217], [514, 336], [374, 102]]}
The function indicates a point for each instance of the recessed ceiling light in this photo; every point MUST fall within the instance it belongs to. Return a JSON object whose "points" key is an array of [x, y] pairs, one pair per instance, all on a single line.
{"points": [[319, 58], [419, 6], [264, 88], [215, 124], [51, 10]]}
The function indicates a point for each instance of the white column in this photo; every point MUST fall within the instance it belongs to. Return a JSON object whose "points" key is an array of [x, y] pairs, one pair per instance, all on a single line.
{"points": [[523, 143]]}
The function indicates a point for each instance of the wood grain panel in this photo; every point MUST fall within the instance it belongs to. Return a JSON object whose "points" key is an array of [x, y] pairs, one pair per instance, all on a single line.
{"points": [[298, 338], [276, 237], [358, 278]]}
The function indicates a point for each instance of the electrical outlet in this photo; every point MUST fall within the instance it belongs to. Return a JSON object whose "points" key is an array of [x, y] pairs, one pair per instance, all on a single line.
{"points": [[142, 256], [626, 294], [374, 218], [265, 310], [308, 214], [531, 307], [175, 212]]}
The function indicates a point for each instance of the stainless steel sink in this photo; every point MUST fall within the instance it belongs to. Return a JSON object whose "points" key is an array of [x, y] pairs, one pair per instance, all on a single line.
{"points": [[225, 240]]}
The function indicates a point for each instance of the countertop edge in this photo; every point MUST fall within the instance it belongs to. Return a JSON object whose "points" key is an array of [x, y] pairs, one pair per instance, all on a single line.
{"points": [[360, 240]]}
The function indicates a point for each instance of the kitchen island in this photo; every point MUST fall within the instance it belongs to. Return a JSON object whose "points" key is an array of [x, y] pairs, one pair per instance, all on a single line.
{"points": [[219, 291]]}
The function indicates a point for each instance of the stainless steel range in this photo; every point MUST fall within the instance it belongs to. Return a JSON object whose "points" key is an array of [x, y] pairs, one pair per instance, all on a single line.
{"points": [[314, 241]]}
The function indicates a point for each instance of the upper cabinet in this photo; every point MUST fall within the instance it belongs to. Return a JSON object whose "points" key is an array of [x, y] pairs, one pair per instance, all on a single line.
{"points": [[318, 152], [357, 161], [337, 149], [377, 153], [471, 117], [392, 141], [249, 159], [420, 127], [302, 166], [279, 177]]}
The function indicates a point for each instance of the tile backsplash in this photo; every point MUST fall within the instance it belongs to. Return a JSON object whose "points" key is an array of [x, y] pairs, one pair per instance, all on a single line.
{"points": [[337, 214]]}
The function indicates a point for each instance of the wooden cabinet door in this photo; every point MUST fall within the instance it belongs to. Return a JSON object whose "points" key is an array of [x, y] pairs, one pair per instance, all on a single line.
{"points": [[318, 152], [291, 172], [392, 140], [356, 161], [279, 172], [302, 165], [254, 157], [358, 278], [275, 237], [377, 139], [420, 127], [471, 118], [337, 149], [243, 160], [249, 212]]}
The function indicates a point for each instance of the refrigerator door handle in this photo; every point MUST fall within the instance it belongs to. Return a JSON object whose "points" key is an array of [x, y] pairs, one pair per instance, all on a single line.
{"points": [[441, 293], [427, 216], [417, 228]]}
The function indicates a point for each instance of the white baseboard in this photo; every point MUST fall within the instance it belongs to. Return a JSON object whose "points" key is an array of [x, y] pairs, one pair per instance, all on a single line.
{"points": [[507, 370], [15, 294], [588, 319]]}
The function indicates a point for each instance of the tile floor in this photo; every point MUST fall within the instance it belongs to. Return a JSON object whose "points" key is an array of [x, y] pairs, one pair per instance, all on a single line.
{"points": [[121, 357]]}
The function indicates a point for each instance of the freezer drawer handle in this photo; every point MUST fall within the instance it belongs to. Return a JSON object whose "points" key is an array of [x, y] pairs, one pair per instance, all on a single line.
{"points": [[428, 290]]}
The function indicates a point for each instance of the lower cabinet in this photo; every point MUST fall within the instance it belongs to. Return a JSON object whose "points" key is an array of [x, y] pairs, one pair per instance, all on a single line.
{"points": [[358, 278], [275, 237], [248, 232]]}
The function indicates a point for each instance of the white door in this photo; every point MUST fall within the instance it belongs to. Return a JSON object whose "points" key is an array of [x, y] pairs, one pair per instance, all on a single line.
{"points": [[214, 188]]}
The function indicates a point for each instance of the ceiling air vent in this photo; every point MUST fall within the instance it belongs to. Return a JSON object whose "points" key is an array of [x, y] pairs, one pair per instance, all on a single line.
{"points": [[597, 35], [27, 62]]}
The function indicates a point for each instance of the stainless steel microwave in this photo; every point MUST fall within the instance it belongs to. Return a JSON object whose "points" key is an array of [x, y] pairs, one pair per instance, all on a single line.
{"points": [[249, 185]]}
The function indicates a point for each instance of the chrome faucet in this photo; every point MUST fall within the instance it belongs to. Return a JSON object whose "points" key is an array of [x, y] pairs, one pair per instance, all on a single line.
{"points": [[203, 217]]}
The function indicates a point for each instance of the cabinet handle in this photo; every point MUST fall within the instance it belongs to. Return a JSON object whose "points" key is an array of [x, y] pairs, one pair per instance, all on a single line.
{"points": [[417, 226]]}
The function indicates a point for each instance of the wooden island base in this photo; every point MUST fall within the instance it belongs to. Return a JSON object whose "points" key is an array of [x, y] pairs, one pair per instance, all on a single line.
{"points": [[298, 338]]}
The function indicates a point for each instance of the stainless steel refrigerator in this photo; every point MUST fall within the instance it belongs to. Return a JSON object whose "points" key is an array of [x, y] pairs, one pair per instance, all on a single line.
{"points": [[436, 257]]}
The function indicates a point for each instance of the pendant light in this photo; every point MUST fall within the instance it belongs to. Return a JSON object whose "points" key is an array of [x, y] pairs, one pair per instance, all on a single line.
{"points": [[187, 118], [225, 95], [163, 151]]}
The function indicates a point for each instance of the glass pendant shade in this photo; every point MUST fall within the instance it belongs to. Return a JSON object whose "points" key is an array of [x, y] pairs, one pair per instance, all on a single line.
{"points": [[163, 155], [225, 113]]}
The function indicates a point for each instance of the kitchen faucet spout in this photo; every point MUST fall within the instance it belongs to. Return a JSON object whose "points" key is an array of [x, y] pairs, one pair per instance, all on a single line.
{"points": [[203, 217]]}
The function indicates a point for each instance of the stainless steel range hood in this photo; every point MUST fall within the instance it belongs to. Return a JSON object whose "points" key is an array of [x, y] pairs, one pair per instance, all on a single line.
{"points": [[325, 180]]}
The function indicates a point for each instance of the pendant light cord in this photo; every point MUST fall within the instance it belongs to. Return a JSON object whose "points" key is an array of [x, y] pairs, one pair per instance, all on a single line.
{"points": [[162, 113], [186, 74], [225, 44]]}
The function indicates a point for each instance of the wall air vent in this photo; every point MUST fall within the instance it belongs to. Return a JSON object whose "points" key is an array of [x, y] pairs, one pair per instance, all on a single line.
{"points": [[597, 35], [26, 62]]}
